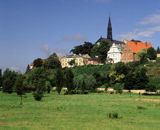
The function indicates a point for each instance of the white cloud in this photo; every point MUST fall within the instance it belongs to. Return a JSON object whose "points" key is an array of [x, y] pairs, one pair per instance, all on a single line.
{"points": [[152, 28], [74, 38], [151, 19], [45, 48], [48, 51]]}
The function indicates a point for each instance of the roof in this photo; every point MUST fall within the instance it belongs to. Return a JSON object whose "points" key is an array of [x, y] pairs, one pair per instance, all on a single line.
{"points": [[101, 39], [137, 46]]}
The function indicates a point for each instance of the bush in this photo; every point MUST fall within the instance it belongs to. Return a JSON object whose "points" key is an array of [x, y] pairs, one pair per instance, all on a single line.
{"points": [[151, 88], [113, 115], [38, 95], [119, 88], [141, 108]]}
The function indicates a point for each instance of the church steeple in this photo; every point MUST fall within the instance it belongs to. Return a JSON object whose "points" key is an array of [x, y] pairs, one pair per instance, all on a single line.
{"points": [[109, 29]]}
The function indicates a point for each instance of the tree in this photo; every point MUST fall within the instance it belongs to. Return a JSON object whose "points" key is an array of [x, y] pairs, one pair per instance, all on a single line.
{"points": [[83, 49], [151, 53], [158, 50], [38, 62], [129, 82], [20, 88], [52, 62], [1, 79], [101, 50], [141, 79], [36, 79], [9, 79], [40, 89], [59, 80], [85, 82], [151, 88], [48, 86], [68, 79], [27, 69]]}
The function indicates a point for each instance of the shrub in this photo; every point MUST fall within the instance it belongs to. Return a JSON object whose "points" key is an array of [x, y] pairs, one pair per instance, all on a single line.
{"points": [[151, 88], [119, 88], [38, 95], [113, 115], [141, 108]]}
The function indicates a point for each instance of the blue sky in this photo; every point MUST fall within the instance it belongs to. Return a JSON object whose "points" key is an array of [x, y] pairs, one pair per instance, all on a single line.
{"points": [[35, 28]]}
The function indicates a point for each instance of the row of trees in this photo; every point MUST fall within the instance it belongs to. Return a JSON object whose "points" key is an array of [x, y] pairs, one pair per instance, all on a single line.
{"points": [[40, 79]]}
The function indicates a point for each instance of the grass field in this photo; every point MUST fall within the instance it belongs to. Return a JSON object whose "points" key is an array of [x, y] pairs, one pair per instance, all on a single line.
{"points": [[80, 112]]}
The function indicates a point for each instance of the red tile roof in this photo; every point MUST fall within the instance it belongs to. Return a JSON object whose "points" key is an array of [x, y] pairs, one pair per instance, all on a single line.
{"points": [[137, 46]]}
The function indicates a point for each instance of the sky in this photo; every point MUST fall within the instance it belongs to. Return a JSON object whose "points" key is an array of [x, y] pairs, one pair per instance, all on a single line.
{"points": [[31, 29]]}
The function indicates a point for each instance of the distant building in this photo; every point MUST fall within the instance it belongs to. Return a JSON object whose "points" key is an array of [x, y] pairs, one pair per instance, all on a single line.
{"points": [[131, 48], [79, 60], [114, 53], [93, 61], [158, 55]]}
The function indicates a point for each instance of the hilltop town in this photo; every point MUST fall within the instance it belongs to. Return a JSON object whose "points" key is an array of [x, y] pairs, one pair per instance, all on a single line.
{"points": [[116, 51]]}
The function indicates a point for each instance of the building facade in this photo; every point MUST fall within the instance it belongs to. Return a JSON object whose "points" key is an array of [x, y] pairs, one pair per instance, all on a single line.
{"points": [[79, 60], [132, 48], [114, 53]]}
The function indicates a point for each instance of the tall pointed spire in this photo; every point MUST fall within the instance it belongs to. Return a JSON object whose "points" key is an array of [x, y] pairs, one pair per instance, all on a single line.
{"points": [[109, 29]]}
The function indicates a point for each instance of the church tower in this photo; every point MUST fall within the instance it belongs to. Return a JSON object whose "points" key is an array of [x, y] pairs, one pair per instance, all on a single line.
{"points": [[109, 30]]}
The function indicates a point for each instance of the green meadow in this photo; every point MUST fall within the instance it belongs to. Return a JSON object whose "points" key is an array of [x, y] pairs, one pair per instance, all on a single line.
{"points": [[80, 112]]}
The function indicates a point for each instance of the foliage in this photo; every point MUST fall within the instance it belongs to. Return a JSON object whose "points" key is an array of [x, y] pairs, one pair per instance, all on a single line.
{"points": [[9, 79], [38, 94], [141, 79], [158, 49], [1, 78], [113, 115], [151, 53], [68, 79], [119, 88], [27, 69], [85, 82], [38, 62], [151, 88], [143, 56], [59, 80], [116, 75], [83, 49], [52, 62], [91, 69], [20, 88], [101, 50]]}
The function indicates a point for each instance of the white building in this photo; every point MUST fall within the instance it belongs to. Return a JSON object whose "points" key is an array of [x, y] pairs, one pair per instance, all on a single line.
{"points": [[114, 53]]}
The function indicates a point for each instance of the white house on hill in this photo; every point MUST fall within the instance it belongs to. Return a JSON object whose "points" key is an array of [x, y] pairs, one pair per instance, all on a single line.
{"points": [[114, 53]]}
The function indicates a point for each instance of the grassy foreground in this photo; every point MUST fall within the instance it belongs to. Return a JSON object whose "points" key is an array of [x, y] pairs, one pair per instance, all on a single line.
{"points": [[80, 112]]}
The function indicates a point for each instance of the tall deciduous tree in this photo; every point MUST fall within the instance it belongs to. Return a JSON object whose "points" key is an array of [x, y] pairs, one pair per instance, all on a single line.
{"points": [[68, 79], [1, 80], [9, 79], [59, 80], [20, 88]]}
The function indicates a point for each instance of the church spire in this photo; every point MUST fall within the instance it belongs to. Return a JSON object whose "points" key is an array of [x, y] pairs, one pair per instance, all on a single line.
{"points": [[109, 29]]}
